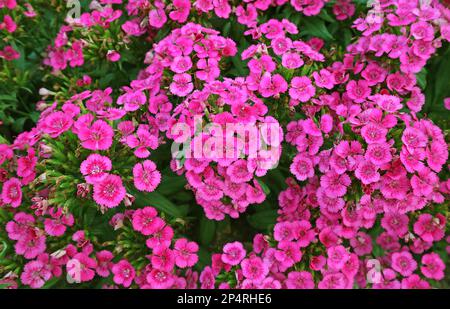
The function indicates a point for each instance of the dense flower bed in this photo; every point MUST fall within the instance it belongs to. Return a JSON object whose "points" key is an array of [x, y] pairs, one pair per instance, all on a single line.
{"points": [[228, 144]]}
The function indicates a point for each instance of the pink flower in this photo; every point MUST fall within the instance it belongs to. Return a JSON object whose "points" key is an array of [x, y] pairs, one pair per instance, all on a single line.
{"points": [[378, 153], [367, 172], [324, 79], [334, 281], [104, 263], [112, 56], [9, 53], [304, 233], [181, 10], [291, 61], [146, 177], [12, 192], [374, 133], [428, 228], [160, 279], [374, 74], [299, 280], [302, 167], [146, 221], [403, 263], [208, 69], [124, 273], [99, 136], [181, 64], [233, 253], [157, 18], [358, 91], [8, 24], [30, 246], [35, 274], [163, 259], [253, 268], [109, 192], [395, 223], [337, 257], [447, 103], [185, 253], [94, 168], [211, 189], [182, 85], [335, 185], [141, 141], [388, 103], [56, 124], [422, 31], [239, 172], [302, 89], [432, 266]]}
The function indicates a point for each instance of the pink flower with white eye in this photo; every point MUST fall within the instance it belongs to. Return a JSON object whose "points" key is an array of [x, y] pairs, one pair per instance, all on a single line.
{"points": [[182, 85], [142, 140], [254, 268], [109, 191], [185, 253], [160, 279], [124, 273], [95, 168], [12, 192], [146, 221], [291, 61], [432, 266], [233, 253], [163, 258], [374, 133], [145, 176], [302, 89], [98, 136], [403, 263]]}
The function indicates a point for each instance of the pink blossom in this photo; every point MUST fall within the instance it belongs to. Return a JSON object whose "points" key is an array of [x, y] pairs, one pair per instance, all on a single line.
{"points": [[302, 167], [253, 268], [403, 263], [181, 85], [94, 168], [99, 136], [432, 266], [185, 253], [302, 89], [358, 91], [146, 221], [109, 191], [12, 192], [299, 280], [233, 253], [146, 177], [35, 274], [124, 273]]}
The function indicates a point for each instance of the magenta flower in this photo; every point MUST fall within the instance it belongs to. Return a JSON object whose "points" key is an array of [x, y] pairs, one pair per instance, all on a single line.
{"points": [[254, 268], [124, 273], [185, 253], [146, 177], [109, 192], [146, 221], [181, 85], [12, 192], [403, 263], [301, 89], [432, 266], [233, 253], [95, 168], [98, 136]]}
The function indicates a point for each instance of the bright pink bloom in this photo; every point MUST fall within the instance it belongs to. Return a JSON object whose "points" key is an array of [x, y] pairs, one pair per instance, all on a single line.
{"points": [[94, 168], [254, 269], [35, 274], [185, 253], [109, 192], [146, 176], [12, 192], [302, 167], [302, 89], [233, 253], [432, 266], [124, 273], [146, 221], [182, 85], [99, 136], [403, 263]]}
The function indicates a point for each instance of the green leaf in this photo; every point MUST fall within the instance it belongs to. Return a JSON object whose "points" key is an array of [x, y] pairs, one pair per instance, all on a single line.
{"points": [[265, 188], [207, 231], [158, 201], [263, 220], [316, 27], [422, 78]]}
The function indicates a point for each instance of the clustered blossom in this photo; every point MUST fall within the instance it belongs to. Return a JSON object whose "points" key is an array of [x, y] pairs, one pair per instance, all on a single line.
{"points": [[366, 170]]}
